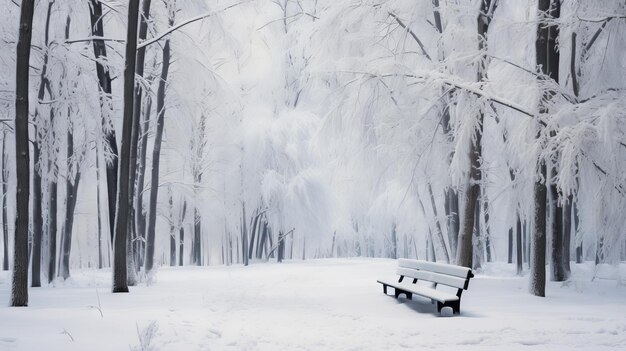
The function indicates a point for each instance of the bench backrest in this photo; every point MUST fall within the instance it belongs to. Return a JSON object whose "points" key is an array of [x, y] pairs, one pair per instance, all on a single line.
{"points": [[439, 273]]}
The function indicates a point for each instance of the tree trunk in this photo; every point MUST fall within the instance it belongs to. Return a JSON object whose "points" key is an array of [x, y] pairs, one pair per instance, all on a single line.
{"points": [[518, 235], [132, 227], [464, 249], [567, 235], [477, 259], [156, 155], [526, 244], [244, 235], [19, 287], [123, 200], [71, 186], [281, 246], [558, 271], [99, 211], [510, 245], [451, 195], [5, 217], [181, 234], [394, 242], [547, 60], [172, 232], [197, 230], [52, 228], [140, 216], [38, 165], [255, 224], [37, 214], [441, 240], [579, 245], [538, 241], [104, 81], [487, 229]]}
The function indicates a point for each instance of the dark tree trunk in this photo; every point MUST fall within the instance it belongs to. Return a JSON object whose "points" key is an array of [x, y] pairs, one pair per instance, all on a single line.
{"points": [[281, 246], [172, 233], [132, 227], [52, 228], [244, 235], [197, 230], [262, 239], [556, 210], [5, 217], [538, 241], [123, 200], [526, 244], [548, 61], [440, 239], [567, 234], [71, 186], [579, 246], [464, 249], [181, 233], [510, 244], [156, 155], [99, 211], [255, 224], [19, 288], [518, 236], [37, 214], [38, 164], [104, 81]]}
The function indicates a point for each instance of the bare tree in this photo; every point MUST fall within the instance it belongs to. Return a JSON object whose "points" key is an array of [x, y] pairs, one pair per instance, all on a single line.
{"points": [[38, 162], [547, 61], [132, 239], [120, 283], [104, 81], [19, 288], [156, 152], [5, 219], [465, 249]]}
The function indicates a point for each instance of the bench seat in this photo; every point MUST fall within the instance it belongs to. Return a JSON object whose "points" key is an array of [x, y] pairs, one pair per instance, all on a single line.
{"points": [[424, 291]]}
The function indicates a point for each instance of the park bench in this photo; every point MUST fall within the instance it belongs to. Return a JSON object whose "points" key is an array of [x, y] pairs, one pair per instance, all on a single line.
{"points": [[413, 272]]}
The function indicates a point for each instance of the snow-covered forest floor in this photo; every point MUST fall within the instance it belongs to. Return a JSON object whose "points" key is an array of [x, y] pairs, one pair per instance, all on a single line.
{"points": [[315, 305]]}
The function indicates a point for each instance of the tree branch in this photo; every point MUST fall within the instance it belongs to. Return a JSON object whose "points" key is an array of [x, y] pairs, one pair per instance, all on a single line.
{"points": [[184, 23], [408, 30], [72, 41]]}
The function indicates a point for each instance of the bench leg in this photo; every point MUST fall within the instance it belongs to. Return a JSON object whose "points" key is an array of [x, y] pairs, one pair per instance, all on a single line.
{"points": [[456, 306], [399, 292], [385, 289]]}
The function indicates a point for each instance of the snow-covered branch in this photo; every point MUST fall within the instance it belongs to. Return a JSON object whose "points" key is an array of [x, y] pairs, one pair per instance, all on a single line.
{"points": [[185, 23]]}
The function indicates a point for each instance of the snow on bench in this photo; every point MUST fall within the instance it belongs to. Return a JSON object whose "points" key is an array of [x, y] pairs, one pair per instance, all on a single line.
{"points": [[437, 274]]}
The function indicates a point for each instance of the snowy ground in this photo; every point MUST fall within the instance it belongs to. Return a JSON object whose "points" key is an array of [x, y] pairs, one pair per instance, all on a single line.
{"points": [[314, 305]]}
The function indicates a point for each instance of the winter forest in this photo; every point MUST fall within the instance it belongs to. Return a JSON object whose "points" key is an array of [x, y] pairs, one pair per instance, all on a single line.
{"points": [[229, 163]]}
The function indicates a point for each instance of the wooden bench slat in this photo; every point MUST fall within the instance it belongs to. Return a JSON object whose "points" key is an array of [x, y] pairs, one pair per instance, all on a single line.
{"points": [[457, 271], [433, 277]]}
